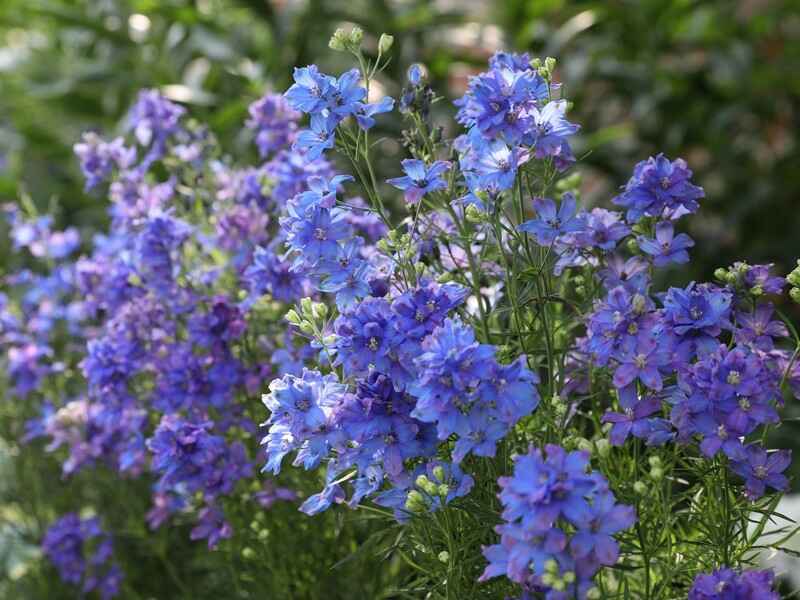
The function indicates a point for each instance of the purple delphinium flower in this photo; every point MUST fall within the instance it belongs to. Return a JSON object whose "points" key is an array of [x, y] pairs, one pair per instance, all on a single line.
{"points": [[367, 337], [642, 358], [274, 123], [81, 553], [635, 418], [758, 276], [552, 130], [760, 469], [727, 584], [552, 222], [98, 158], [497, 165], [311, 90], [660, 188], [319, 137], [420, 179], [758, 328], [666, 247]]}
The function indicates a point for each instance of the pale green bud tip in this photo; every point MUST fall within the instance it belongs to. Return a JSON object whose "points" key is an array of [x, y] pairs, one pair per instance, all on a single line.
{"points": [[293, 317], [654, 461], [444, 556], [551, 566], [338, 40], [421, 481], [356, 35], [721, 274], [319, 310], [656, 473], [569, 577], [385, 43], [474, 214], [438, 472], [794, 293], [306, 328], [603, 447], [593, 594], [536, 63], [415, 502], [640, 488], [550, 63], [444, 489], [305, 306]]}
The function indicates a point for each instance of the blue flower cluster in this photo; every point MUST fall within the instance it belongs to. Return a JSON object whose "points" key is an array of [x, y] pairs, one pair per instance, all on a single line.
{"points": [[558, 524], [83, 555], [727, 584]]}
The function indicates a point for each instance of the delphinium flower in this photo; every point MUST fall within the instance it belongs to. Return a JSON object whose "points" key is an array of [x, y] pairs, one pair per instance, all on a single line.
{"points": [[300, 412], [761, 469], [153, 119], [637, 419], [758, 277], [726, 396], [156, 248], [725, 584], [667, 247], [368, 337], [758, 329], [545, 494], [697, 315], [660, 188], [269, 274], [552, 130], [274, 123], [420, 179], [461, 388], [552, 222], [99, 158], [82, 554]]}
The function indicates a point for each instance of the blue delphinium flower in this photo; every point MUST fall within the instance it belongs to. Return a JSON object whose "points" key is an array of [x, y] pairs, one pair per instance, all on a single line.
{"points": [[67, 545], [268, 273], [551, 132], [697, 315], [760, 469], [420, 179], [315, 235], [319, 137], [552, 222], [727, 584], [366, 112], [311, 91], [636, 418], [98, 158], [666, 247], [274, 123], [660, 188], [541, 497], [758, 328], [497, 165], [368, 337]]}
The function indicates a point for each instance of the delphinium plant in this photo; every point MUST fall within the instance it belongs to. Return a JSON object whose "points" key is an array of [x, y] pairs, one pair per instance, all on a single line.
{"points": [[463, 353]]}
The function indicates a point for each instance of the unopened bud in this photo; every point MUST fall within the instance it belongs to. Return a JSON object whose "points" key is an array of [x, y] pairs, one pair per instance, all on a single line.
{"points": [[536, 63], [319, 310], [444, 556], [438, 472], [385, 43], [794, 294], [721, 274], [475, 214], [338, 41], [656, 473], [640, 488], [654, 461], [550, 64], [415, 502], [603, 447], [293, 317], [593, 594]]}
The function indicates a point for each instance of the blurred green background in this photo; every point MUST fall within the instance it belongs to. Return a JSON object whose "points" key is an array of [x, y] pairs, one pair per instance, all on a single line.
{"points": [[714, 81]]}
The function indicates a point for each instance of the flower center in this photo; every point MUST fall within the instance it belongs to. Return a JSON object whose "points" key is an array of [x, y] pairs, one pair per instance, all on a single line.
{"points": [[640, 361], [373, 343], [734, 378], [320, 234]]}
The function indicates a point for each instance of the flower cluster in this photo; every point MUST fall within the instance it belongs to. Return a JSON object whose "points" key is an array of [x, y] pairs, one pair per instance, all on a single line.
{"points": [[548, 496], [728, 584], [83, 555]]}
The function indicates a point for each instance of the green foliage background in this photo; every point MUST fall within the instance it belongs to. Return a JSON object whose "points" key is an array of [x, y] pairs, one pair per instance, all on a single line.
{"points": [[714, 81]]}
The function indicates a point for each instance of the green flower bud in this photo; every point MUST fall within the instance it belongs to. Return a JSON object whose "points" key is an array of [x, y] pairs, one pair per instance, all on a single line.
{"points": [[338, 41], [438, 472], [654, 461], [293, 317], [305, 306], [585, 445], [319, 310], [603, 447], [569, 577], [640, 488], [757, 290], [550, 64], [794, 294], [559, 585], [536, 63], [385, 43], [307, 328], [444, 556], [721, 274], [329, 340], [444, 489], [248, 553], [475, 214], [355, 38], [543, 72], [794, 278], [593, 594], [551, 566], [656, 473], [415, 502]]}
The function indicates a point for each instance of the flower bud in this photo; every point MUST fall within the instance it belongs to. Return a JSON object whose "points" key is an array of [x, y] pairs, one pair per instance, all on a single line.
{"points": [[443, 490], [356, 36], [305, 306], [307, 328], [656, 473], [293, 317], [385, 43], [721, 274], [640, 488], [654, 461], [444, 556], [569, 577], [550, 64], [550, 566], [794, 294], [475, 214], [593, 594], [338, 41], [319, 310], [536, 63], [438, 472], [415, 502], [603, 447]]}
